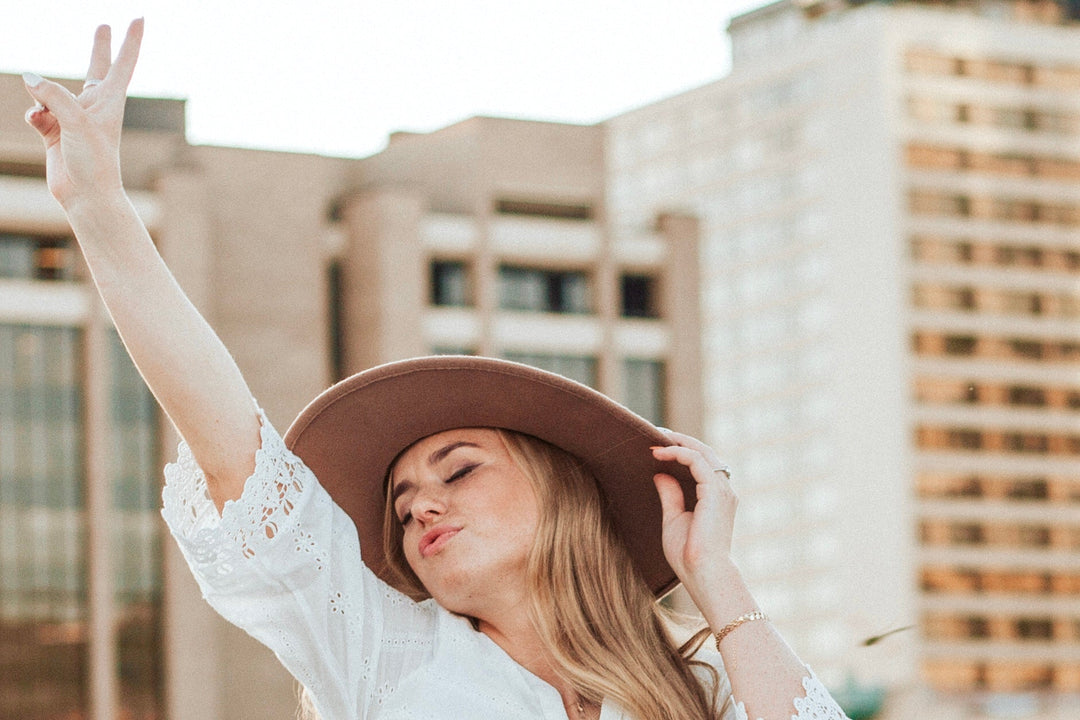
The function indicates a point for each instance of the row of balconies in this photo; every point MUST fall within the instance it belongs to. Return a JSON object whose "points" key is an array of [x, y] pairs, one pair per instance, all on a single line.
{"points": [[943, 391], [1027, 489], [928, 343], [994, 301], [946, 532], [999, 581], [993, 440], [950, 675], [934, 249]]}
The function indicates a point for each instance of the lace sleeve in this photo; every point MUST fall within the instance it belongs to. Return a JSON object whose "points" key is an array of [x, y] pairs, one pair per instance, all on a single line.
{"points": [[817, 705], [283, 563]]}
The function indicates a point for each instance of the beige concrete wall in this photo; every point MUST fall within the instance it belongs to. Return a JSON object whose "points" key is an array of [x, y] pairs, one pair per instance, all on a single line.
{"points": [[385, 277]]}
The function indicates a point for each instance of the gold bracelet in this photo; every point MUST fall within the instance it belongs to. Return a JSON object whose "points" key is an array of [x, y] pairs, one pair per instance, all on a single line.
{"points": [[726, 630]]}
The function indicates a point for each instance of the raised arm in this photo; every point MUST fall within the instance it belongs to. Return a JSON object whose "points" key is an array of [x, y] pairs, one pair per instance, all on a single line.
{"points": [[179, 356], [766, 676]]}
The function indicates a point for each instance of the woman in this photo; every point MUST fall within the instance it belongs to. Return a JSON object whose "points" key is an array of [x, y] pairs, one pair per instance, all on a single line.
{"points": [[483, 539]]}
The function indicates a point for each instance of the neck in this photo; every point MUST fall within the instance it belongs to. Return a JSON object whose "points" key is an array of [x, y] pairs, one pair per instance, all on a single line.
{"points": [[517, 636]]}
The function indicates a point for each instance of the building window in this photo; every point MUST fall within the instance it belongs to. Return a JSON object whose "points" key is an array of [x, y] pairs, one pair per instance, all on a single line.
{"points": [[575, 367], [30, 257], [1034, 489], [1024, 395], [564, 211], [967, 534], [638, 296], [136, 550], [45, 639], [453, 350], [539, 290], [450, 285], [1035, 628], [335, 317], [643, 389], [960, 344]]}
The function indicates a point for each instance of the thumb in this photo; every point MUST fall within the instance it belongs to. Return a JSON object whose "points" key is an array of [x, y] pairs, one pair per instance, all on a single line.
{"points": [[57, 98], [671, 496]]}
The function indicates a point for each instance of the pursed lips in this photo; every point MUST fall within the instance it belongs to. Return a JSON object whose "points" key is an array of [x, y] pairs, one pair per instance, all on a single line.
{"points": [[434, 539]]}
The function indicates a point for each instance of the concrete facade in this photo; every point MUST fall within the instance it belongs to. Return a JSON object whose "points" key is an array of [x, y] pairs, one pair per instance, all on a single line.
{"points": [[901, 178]]}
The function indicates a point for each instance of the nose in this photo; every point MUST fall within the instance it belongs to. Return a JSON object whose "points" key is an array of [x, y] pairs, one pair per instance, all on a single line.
{"points": [[427, 506]]}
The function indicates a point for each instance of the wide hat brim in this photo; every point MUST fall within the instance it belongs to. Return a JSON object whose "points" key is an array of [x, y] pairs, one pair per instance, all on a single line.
{"points": [[350, 434]]}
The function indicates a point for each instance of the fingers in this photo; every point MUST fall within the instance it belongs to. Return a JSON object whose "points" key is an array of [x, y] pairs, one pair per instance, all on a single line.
{"points": [[693, 443], [101, 55], [124, 67], [701, 467], [57, 98], [42, 120], [672, 501]]}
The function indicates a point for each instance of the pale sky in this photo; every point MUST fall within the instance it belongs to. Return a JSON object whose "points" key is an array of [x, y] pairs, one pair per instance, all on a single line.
{"points": [[337, 76]]}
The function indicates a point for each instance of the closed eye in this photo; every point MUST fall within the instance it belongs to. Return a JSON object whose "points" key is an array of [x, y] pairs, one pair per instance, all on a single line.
{"points": [[461, 473]]}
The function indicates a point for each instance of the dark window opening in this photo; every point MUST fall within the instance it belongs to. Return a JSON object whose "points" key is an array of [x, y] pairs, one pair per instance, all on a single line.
{"points": [[1022, 395], [335, 317], [638, 296], [1035, 629], [450, 284], [960, 345], [565, 211], [1034, 489], [967, 534]]}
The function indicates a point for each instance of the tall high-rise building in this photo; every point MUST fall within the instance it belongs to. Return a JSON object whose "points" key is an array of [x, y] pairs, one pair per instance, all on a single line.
{"points": [[490, 236], [890, 200]]}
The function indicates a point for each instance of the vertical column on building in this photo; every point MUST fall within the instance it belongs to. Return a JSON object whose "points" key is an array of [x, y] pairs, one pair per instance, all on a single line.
{"points": [[192, 629], [102, 615], [606, 282], [384, 277], [680, 306]]}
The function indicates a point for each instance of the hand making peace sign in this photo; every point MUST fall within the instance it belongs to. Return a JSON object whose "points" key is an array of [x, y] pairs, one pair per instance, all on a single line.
{"points": [[82, 132]]}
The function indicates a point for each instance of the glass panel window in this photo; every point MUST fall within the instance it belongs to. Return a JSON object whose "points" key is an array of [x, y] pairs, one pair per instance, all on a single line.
{"points": [[44, 575], [539, 290], [643, 388], [450, 283], [29, 257], [43, 612], [136, 540], [580, 368]]}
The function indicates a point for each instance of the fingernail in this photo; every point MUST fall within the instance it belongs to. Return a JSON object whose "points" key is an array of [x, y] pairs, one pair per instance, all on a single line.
{"points": [[656, 447], [32, 79]]}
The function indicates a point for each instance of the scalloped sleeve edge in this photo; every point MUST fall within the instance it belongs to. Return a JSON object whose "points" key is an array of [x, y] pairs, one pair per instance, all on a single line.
{"points": [[214, 544]]}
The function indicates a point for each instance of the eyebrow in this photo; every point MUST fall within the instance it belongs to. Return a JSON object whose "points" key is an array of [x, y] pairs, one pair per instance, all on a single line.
{"points": [[435, 457]]}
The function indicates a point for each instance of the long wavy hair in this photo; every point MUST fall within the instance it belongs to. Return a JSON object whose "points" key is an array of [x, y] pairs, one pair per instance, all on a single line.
{"points": [[607, 634]]}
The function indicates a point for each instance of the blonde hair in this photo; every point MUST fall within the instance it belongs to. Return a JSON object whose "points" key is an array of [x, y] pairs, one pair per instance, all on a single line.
{"points": [[600, 622]]}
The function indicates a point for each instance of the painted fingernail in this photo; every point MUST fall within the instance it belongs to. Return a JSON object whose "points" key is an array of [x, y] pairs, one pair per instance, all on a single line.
{"points": [[32, 79]]}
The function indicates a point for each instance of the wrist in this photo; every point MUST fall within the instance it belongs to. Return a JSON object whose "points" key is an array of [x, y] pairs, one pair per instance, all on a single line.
{"points": [[724, 596], [102, 202]]}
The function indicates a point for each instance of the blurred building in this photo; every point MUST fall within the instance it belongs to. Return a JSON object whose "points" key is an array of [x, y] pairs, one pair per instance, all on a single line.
{"points": [[490, 236], [890, 200]]}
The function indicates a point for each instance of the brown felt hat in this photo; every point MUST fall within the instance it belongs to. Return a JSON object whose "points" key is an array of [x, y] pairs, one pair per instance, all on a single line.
{"points": [[351, 433]]}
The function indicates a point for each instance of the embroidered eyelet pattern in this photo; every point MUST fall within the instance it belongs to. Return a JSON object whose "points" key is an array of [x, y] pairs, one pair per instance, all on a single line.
{"points": [[817, 705]]}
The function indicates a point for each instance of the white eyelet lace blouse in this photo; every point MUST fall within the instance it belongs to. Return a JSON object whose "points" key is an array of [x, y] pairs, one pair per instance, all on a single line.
{"points": [[283, 563]]}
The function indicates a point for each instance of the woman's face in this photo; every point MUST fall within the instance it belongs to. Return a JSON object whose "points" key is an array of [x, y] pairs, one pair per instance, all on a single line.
{"points": [[469, 516]]}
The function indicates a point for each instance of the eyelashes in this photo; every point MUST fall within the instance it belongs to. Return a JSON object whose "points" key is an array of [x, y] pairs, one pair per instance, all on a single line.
{"points": [[460, 473], [454, 477]]}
